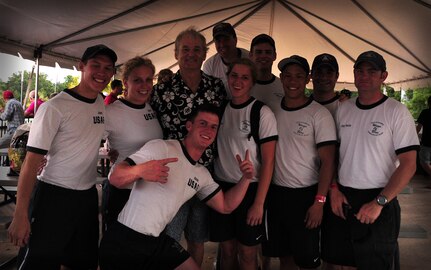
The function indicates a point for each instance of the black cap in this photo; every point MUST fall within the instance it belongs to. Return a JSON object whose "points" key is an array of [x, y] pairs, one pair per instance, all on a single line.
{"points": [[223, 29], [99, 49], [262, 38], [294, 59], [325, 59], [373, 58]]}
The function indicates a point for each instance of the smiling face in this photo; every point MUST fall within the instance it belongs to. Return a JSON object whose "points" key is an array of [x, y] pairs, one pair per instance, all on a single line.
{"points": [[263, 55], [202, 130], [226, 46], [294, 80], [96, 75], [139, 85], [324, 79], [240, 82], [190, 53]]}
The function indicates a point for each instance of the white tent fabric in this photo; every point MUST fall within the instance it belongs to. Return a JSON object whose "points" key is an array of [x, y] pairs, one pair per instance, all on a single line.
{"points": [[61, 30]]}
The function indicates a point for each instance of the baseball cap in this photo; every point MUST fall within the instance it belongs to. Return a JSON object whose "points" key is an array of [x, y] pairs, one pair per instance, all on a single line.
{"points": [[262, 38], [294, 59], [8, 94], [99, 49], [325, 59], [373, 58], [223, 29]]}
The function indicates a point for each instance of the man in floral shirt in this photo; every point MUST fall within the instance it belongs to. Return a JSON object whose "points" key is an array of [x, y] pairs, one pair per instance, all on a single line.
{"points": [[173, 102]]}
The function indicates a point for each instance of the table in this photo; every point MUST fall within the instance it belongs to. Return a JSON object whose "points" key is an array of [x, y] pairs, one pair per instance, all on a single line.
{"points": [[8, 184]]}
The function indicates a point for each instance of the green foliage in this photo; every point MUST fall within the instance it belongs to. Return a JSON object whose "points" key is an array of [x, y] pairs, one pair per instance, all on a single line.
{"points": [[46, 87], [416, 100]]}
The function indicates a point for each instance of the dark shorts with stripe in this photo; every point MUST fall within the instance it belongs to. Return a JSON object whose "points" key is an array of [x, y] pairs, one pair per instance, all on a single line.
{"points": [[64, 229], [366, 246], [123, 248], [234, 225], [287, 234]]}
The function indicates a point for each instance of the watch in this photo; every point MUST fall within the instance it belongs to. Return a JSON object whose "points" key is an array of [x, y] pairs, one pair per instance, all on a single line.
{"points": [[382, 200]]}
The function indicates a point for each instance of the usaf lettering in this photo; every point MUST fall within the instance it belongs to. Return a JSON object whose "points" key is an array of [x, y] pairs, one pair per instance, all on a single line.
{"points": [[193, 184], [98, 120]]}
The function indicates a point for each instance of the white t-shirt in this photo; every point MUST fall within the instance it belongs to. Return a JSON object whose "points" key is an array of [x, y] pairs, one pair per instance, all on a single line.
{"points": [[234, 138], [270, 92], [215, 67], [370, 139], [301, 132], [130, 126], [152, 205], [69, 128]]}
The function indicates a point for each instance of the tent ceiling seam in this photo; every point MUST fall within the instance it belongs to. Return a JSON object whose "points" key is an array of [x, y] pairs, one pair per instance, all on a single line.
{"points": [[358, 37], [147, 26], [310, 25], [363, 9]]}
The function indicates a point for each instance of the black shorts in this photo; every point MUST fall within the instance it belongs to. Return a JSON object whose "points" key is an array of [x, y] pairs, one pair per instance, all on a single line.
{"points": [[366, 246], [115, 200], [287, 234], [123, 248], [234, 225], [64, 229]]}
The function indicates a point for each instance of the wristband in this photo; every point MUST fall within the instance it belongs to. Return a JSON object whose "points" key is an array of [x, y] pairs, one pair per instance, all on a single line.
{"points": [[320, 198], [333, 186]]}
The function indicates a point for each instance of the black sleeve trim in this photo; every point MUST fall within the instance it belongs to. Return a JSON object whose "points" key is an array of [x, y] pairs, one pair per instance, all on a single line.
{"points": [[130, 161], [407, 149], [37, 150], [207, 198], [269, 139], [326, 143]]}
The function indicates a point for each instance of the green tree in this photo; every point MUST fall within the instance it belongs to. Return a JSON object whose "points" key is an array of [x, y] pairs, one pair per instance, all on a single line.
{"points": [[418, 100]]}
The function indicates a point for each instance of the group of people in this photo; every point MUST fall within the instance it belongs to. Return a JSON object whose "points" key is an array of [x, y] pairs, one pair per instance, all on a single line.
{"points": [[300, 178], [14, 114]]}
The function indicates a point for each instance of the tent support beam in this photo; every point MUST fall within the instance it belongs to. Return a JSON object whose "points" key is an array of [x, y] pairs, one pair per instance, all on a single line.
{"points": [[148, 26], [288, 7], [389, 33], [100, 23], [358, 37]]}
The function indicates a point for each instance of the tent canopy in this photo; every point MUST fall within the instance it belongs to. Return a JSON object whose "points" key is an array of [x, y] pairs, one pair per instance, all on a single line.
{"points": [[61, 31]]}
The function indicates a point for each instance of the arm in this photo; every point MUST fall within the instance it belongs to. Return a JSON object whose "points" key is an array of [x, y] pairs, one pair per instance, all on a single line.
{"points": [[19, 230], [30, 110], [327, 157], [225, 203], [369, 212], [255, 213], [418, 128], [153, 170]]}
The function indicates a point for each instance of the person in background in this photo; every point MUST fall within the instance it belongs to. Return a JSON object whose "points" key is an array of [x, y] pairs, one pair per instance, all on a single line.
{"points": [[304, 167], [139, 240], [13, 114], [268, 87], [424, 124], [225, 41], [365, 197], [173, 102], [241, 232], [29, 112], [130, 123], [165, 75], [116, 90], [64, 227]]}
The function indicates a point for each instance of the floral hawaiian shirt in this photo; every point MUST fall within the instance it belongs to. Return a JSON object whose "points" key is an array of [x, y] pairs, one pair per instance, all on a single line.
{"points": [[173, 102]]}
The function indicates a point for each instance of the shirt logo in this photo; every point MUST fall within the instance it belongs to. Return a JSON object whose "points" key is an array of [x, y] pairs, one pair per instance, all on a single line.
{"points": [[193, 183], [245, 126], [98, 119], [150, 116], [302, 129], [376, 128]]}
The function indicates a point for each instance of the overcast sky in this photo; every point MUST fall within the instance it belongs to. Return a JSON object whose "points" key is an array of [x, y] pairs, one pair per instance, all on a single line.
{"points": [[10, 64]]}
